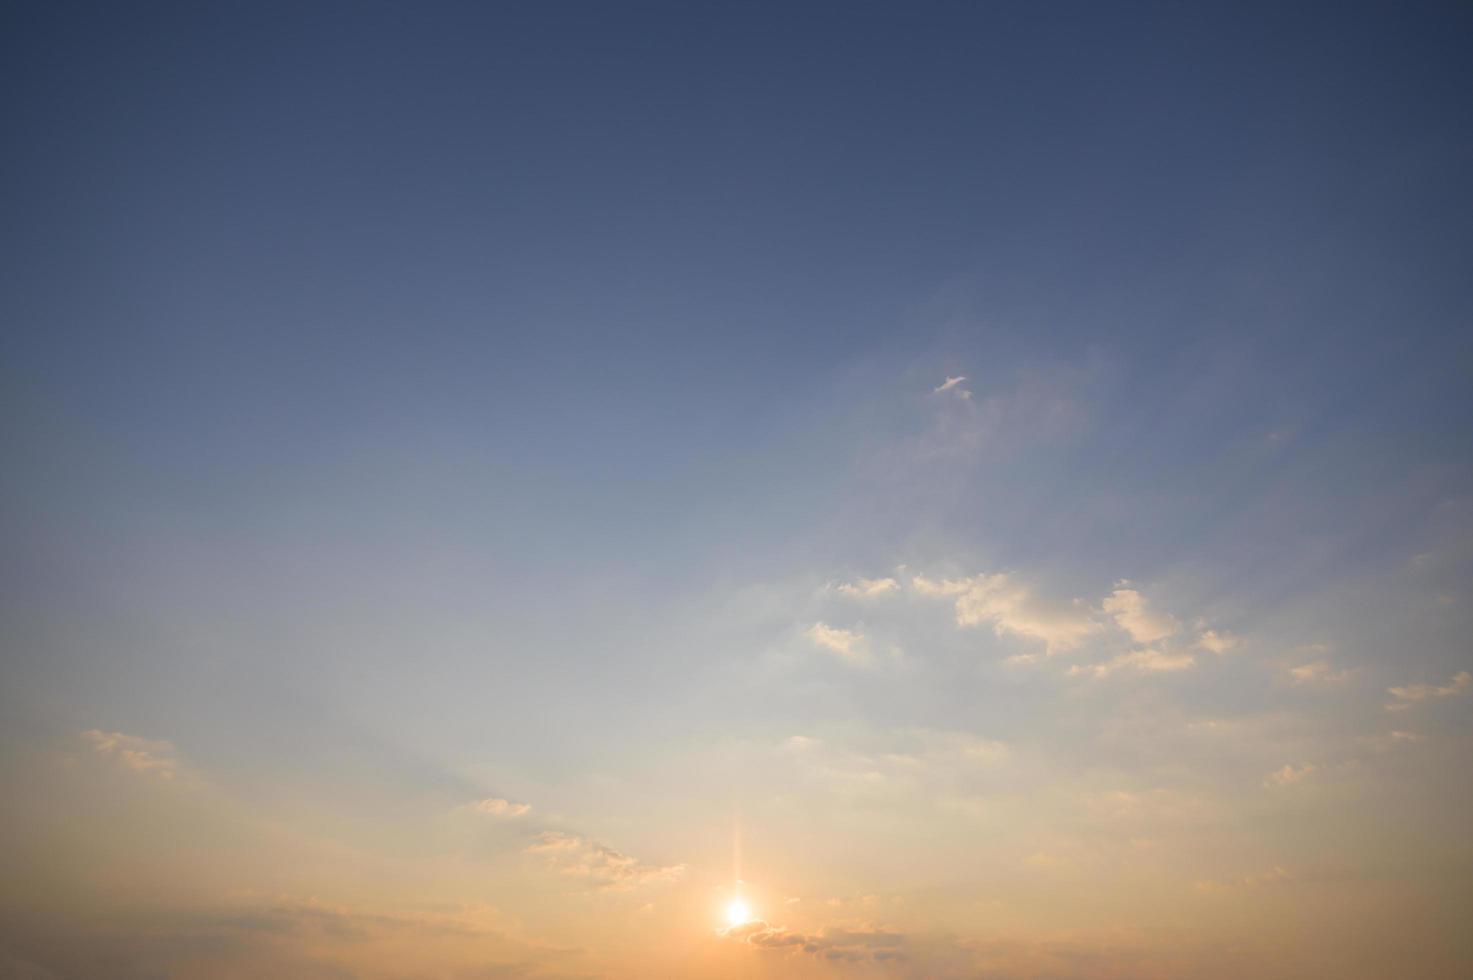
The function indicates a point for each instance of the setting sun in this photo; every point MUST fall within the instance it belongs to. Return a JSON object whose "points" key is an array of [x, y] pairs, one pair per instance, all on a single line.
{"points": [[737, 913]]}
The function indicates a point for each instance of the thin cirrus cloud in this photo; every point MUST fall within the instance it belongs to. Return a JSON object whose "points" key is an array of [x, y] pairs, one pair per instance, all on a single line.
{"points": [[1410, 694], [606, 868], [150, 756]]}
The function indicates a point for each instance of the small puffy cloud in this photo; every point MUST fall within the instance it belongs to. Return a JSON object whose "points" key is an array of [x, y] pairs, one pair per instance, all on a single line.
{"points": [[154, 757], [953, 385], [1133, 613], [580, 857], [1318, 672], [1405, 697], [1145, 661], [1012, 608], [496, 807], [1289, 775], [846, 644], [1217, 641], [867, 588]]}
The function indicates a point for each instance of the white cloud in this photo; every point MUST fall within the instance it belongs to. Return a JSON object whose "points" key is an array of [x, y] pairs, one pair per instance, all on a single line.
{"points": [[1318, 672], [496, 807], [1011, 607], [1146, 661], [953, 384], [1217, 641], [1289, 775], [846, 644], [155, 757], [1406, 696], [1132, 613], [580, 857], [867, 588]]}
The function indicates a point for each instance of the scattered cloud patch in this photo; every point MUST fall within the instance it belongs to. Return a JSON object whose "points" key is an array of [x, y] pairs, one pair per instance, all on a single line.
{"points": [[496, 807], [1318, 672], [833, 945], [1011, 607], [867, 588], [154, 757], [1133, 613], [845, 644], [1405, 697], [1144, 661], [1255, 880], [953, 385], [1289, 775], [610, 870], [1217, 641]]}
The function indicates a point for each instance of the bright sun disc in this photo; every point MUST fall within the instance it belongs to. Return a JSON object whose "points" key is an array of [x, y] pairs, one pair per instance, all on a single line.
{"points": [[737, 913]]}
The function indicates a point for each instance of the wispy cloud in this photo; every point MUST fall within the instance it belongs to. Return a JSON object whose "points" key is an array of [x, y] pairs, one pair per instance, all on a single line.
{"points": [[1318, 672], [1217, 641], [1134, 614], [154, 757], [1145, 661], [846, 644], [1405, 697], [867, 588], [497, 807], [834, 945], [953, 385], [1011, 607], [1289, 775], [1256, 879], [580, 857]]}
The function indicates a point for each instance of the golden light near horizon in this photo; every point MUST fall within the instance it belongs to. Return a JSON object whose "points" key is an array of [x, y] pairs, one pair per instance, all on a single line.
{"points": [[737, 913]]}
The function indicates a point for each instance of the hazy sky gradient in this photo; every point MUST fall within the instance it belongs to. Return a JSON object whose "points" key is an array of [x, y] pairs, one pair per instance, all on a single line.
{"points": [[1010, 464]]}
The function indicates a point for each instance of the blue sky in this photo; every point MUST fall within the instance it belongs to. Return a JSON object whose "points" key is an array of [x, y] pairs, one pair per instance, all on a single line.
{"points": [[409, 408]]}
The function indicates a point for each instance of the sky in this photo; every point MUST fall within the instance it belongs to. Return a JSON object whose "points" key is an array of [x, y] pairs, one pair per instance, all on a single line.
{"points": [[803, 490]]}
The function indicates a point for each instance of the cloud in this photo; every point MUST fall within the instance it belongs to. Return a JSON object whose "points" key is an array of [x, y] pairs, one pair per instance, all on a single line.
{"points": [[1132, 613], [155, 757], [496, 807], [847, 644], [580, 857], [867, 588], [904, 767], [1288, 775], [1011, 607], [953, 385], [1412, 693], [1318, 672], [1145, 661], [254, 936], [1255, 880], [1217, 641], [834, 945]]}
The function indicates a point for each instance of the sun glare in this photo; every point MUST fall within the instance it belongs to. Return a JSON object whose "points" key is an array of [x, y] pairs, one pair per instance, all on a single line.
{"points": [[737, 913]]}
